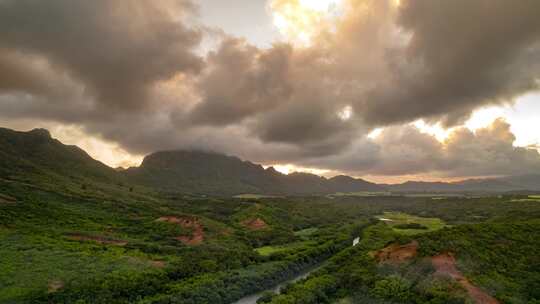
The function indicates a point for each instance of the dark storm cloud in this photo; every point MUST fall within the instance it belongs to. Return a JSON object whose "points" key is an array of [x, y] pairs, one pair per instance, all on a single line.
{"points": [[242, 80], [128, 71], [117, 49], [278, 94], [17, 75], [462, 54]]}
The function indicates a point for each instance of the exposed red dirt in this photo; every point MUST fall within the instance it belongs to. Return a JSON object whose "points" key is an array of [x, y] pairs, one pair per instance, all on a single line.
{"points": [[197, 234], [158, 264], [445, 265], [396, 253], [255, 224], [97, 239]]}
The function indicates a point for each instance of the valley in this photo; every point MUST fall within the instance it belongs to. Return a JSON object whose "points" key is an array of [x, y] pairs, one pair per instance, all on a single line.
{"points": [[269, 152], [73, 230]]}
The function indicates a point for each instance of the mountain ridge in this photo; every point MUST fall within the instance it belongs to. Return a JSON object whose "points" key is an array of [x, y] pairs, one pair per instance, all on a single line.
{"points": [[212, 173], [207, 172]]}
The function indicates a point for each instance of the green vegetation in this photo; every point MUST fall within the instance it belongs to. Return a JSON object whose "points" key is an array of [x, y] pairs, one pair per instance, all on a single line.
{"points": [[530, 198], [107, 244], [74, 231], [498, 257], [407, 224]]}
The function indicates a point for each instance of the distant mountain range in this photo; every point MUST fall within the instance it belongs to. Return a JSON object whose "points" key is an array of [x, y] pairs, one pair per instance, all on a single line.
{"points": [[36, 153], [504, 184]]}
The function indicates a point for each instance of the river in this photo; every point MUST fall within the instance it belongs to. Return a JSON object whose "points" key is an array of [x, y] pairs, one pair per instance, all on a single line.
{"points": [[252, 299]]}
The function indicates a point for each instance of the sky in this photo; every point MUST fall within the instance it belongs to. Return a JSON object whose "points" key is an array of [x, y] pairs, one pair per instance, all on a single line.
{"points": [[387, 90]]}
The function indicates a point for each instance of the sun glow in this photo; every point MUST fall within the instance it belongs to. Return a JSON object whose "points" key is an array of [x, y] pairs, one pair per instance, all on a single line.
{"points": [[301, 20], [346, 113], [289, 168], [319, 5]]}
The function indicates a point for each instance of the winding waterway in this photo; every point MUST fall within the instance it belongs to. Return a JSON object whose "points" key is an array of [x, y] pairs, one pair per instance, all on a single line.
{"points": [[252, 299]]}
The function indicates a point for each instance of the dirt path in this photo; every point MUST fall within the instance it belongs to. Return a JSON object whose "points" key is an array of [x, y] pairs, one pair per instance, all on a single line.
{"points": [[445, 265], [396, 253]]}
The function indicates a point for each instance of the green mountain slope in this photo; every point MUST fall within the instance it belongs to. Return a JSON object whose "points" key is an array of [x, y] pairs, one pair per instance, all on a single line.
{"points": [[36, 158], [212, 173]]}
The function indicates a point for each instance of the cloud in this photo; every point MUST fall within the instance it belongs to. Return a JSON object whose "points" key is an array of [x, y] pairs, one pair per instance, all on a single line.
{"points": [[391, 65], [131, 72], [489, 151], [117, 49], [240, 81], [461, 55], [405, 150]]}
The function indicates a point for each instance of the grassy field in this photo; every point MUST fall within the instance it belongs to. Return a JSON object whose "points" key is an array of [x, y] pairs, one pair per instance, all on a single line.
{"points": [[530, 198], [306, 233], [269, 250], [407, 224]]}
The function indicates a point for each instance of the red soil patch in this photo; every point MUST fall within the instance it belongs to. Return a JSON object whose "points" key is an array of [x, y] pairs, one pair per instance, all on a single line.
{"points": [[396, 253], [97, 239], [197, 234], [158, 264], [255, 224], [445, 265]]}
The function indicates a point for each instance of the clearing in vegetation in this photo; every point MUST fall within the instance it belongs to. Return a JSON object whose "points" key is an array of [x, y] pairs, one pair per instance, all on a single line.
{"points": [[407, 224], [305, 233], [396, 253], [269, 250]]}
